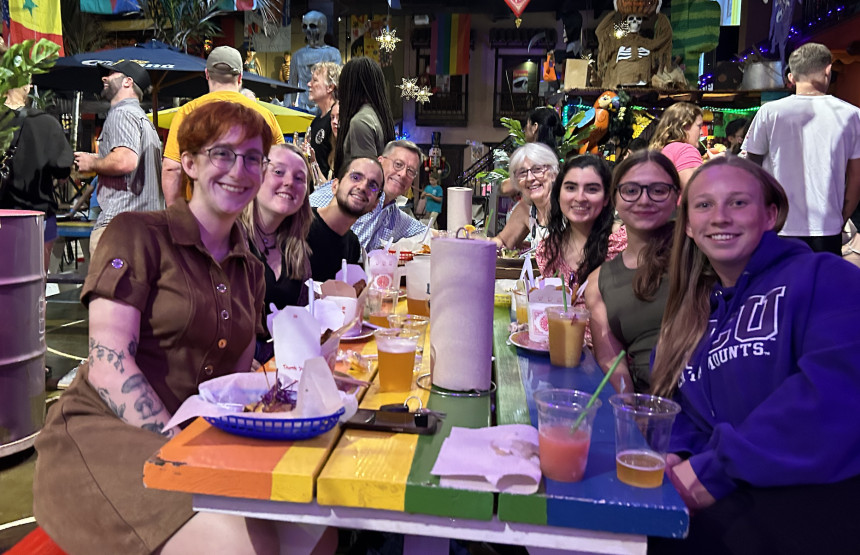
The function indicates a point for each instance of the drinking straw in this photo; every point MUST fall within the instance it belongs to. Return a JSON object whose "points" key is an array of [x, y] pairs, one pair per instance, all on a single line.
{"points": [[580, 291], [343, 269], [390, 242], [427, 231], [311, 295], [598, 390], [563, 292], [490, 217]]}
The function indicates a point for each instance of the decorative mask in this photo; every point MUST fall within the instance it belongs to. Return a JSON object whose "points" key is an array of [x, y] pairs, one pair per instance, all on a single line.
{"points": [[314, 26]]}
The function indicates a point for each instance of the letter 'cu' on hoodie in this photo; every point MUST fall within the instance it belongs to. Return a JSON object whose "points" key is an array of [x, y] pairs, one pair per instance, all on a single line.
{"points": [[770, 395]]}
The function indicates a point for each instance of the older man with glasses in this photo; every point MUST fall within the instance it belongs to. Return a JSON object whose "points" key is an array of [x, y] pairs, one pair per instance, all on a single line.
{"points": [[401, 161]]}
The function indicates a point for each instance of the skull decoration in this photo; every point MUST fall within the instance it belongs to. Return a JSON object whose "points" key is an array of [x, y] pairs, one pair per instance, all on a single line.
{"points": [[634, 23], [314, 26]]}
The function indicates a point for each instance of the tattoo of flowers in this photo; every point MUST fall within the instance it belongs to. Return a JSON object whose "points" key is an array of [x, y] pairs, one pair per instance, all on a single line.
{"points": [[117, 410], [106, 354], [148, 404]]}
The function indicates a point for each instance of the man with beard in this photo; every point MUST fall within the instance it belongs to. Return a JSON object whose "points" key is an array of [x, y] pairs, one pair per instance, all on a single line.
{"points": [[354, 193], [128, 163], [401, 162]]}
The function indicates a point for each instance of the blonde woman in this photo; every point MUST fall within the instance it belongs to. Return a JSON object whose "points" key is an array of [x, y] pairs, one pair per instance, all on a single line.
{"points": [[533, 169], [277, 223], [677, 137], [759, 347]]}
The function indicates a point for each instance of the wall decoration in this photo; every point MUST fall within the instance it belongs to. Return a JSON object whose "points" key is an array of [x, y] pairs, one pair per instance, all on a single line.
{"points": [[449, 44], [518, 7], [388, 40], [696, 24]]}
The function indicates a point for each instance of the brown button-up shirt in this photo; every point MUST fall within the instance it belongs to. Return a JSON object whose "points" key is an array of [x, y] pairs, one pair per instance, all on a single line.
{"points": [[197, 315]]}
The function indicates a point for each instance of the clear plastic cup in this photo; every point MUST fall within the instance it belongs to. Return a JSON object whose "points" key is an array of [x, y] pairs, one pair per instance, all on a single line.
{"points": [[381, 303], [566, 334], [563, 450], [418, 287], [643, 428], [396, 350], [521, 302], [411, 322]]}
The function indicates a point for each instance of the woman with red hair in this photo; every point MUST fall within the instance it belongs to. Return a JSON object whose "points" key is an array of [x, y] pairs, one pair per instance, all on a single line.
{"points": [[175, 298]]}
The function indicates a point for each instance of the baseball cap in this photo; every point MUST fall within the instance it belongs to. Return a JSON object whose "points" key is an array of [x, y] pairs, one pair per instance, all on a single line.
{"points": [[131, 69], [225, 59]]}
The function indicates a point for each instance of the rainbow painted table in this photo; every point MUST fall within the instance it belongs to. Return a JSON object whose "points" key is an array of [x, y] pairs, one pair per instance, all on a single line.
{"points": [[600, 501]]}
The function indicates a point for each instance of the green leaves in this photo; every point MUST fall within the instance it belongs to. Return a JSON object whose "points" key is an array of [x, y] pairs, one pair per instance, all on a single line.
{"points": [[17, 66], [515, 130], [573, 137]]}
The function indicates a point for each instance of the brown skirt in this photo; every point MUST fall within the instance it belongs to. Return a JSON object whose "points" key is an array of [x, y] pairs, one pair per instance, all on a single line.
{"points": [[88, 488]]}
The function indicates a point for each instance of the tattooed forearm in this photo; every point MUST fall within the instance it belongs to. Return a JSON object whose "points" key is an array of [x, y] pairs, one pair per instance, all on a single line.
{"points": [[99, 352], [147, 404], [117, 410], [132, 346]]}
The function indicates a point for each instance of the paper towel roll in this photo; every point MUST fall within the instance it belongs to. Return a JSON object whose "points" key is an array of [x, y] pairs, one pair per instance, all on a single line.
{"points": [[459, 208], [462, 284]]}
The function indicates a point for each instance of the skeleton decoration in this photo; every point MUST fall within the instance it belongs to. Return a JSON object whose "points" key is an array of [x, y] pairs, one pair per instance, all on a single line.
{"points": [[635, 43], [314, 26]]}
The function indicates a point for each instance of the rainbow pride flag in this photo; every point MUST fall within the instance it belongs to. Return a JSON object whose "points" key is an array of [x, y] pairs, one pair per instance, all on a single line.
{"points": [[449, 44], [32, 19]]}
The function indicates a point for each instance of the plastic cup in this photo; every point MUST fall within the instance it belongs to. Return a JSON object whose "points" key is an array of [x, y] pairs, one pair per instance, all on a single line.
{"points": [[411, 322], [418, 287], [563, 450], [396, 350], [566, 334], [381, 303], [643, 428], [521, 302]]}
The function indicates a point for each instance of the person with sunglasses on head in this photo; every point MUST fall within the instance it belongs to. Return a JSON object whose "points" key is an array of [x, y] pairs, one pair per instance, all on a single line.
{"points": [[401, 161], [355, 192], [175, 298], [759, 347], [627, 295], [533, 168]]}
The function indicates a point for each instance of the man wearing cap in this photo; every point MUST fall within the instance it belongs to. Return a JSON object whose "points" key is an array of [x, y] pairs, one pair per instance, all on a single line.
{"points": [[224, 74], [129, 160]]}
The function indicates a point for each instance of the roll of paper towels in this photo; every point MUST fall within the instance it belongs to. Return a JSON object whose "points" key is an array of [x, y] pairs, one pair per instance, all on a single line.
{"points": [[462, 285], [459, 208]]}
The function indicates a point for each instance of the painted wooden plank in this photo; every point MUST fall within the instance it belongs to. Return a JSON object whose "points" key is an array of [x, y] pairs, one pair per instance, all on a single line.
{"points": [[511, 407], [600, 501]]}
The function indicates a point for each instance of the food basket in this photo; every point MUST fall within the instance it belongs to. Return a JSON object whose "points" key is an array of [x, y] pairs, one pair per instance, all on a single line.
{"points": [[290, 429]]}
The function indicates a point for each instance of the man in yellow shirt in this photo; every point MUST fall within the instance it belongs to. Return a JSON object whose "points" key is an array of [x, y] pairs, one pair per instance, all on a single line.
{"points": [[224, 74]]}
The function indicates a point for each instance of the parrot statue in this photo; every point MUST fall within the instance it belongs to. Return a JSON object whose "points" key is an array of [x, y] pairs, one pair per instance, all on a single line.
{"points": [[606, 103]]}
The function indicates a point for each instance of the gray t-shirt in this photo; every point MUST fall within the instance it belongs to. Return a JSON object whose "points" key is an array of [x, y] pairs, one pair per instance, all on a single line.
{"points": [[365, 138], [140, 190]]}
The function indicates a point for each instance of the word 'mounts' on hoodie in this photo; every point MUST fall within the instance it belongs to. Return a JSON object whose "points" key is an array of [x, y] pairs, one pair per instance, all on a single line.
{"points": [[770, 392]]}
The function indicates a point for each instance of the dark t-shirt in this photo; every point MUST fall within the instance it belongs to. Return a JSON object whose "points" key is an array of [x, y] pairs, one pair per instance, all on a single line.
{"points": [[321, 140], [282, 292], [43, 154], [328, 249]]}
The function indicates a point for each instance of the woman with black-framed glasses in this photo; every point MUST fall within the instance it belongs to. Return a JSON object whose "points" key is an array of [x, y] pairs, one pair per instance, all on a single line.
{"points": [[627, 295]]}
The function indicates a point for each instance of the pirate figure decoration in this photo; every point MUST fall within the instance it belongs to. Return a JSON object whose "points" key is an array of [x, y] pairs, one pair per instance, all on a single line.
{"points": [[635, 43]]}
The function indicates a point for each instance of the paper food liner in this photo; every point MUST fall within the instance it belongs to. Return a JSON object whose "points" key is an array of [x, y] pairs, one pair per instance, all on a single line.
{"points": [[318, 395], [341, 291]]}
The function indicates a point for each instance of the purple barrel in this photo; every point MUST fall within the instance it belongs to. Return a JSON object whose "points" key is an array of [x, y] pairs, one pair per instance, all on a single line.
{"points": [[22, 329]]}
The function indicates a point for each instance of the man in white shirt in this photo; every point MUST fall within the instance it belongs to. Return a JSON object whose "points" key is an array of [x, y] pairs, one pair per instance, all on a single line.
{"points": [[810, 142]]}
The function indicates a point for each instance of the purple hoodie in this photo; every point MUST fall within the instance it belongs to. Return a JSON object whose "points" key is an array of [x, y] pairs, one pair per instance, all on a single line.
{"points": [[771, 393]]}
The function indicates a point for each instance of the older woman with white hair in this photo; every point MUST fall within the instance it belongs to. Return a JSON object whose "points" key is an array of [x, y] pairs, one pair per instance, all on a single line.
{"points": [[533, 169], [322, 91]]}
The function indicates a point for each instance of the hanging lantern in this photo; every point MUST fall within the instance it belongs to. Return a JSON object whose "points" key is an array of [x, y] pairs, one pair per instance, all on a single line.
{"points": [[518, 7], [387, 39]]}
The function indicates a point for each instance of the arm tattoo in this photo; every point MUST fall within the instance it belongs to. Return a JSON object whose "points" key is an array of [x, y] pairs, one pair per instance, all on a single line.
{"points": [[148, 404], [132, 346], [117, 410], [157, 427], [102, 353]]}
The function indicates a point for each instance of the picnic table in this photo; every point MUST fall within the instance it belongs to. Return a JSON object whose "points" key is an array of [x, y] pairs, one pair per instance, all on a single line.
{"points": [[381, 481]]}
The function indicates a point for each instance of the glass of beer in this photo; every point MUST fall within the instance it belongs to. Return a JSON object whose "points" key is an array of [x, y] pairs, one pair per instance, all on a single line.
{"points": [[521, 303], [396, 349], [643, 428], [563, 449], [411, 322], [380, 304], [566, 334], [418, 287]]}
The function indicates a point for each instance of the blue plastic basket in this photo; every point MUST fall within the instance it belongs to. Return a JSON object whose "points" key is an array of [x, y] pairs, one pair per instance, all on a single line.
{"points": [[268, 428]]}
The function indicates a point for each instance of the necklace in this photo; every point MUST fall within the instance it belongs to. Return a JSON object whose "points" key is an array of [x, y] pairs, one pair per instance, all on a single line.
{"points": [[268, 239]]}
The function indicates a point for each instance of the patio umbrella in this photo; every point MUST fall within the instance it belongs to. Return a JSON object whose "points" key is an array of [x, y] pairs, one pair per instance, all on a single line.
{"points": [[172, 73], [291, 121]]}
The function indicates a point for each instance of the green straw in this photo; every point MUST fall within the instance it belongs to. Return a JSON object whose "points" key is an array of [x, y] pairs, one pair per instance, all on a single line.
{"points": [[598, 390], [563, 291]]}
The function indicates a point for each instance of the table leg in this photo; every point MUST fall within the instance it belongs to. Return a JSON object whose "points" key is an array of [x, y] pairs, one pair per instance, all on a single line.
{"points": [[425, 545]]}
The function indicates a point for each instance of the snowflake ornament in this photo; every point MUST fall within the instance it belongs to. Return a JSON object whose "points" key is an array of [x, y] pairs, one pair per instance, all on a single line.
{"points": [[387, 40]]}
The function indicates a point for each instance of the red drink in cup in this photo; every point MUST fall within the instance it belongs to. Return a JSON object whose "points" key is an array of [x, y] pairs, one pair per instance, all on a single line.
{"points": [[563, 449]]}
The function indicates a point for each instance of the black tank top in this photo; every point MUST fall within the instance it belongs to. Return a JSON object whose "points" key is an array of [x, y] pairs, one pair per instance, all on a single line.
{"points": [[634, 322]]}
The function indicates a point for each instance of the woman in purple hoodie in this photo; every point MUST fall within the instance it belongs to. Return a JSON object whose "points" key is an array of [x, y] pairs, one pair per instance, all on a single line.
{"points": [[760, 346]]}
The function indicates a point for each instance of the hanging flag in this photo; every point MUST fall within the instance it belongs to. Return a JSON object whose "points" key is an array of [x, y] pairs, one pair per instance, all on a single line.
{"points": [[449, 44], [33, 19], [108, 7]]}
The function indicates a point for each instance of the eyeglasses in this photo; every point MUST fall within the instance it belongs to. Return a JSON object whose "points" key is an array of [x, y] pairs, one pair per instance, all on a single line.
{"points": [[658, 192], [400, 164], [223, 158], [537, 171], [358, 177]]}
